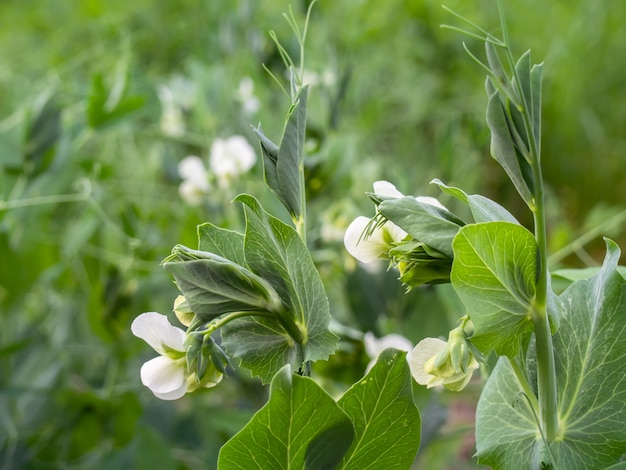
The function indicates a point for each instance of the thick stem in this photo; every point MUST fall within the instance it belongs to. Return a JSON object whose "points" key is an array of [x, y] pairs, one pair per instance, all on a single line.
{"points": [[546, 371]]}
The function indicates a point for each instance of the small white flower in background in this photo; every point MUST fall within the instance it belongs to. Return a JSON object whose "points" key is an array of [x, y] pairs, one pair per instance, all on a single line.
{"points": [[195, 185], [245, 95], [375, 346], [176, 97], [166, 375], [230, 158], [172, 121], [183, 91]]}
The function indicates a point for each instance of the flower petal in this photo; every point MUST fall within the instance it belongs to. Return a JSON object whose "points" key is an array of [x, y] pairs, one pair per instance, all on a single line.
{"points": [[425, 349], [156, 330], [192, 169], [165, 377], [364, 249], [432, 201], [375, 346], [385, 188]]}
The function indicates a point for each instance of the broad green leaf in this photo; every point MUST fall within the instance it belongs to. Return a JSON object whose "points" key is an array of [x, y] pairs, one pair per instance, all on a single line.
{"points": [[275, 252], [214, 285], [494, 273], [483, 209], [424, 222], [386, 421], [590, 355], [300, 427], [503, 147], [262, 345], [590, 350], [225, 243]]}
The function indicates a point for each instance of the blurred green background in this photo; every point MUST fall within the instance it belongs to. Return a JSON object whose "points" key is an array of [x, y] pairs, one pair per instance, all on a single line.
{"points": [[89, 199]]}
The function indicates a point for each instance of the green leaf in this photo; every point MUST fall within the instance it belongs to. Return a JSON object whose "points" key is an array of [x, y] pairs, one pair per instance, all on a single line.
{"points": [[289, 166], [275, 252], [590, 356], [503, 148], [106, 107], [483, 209], [214, 285], [283, 165], [42, 136], [590, 350], [300, 427], [494, 273], [225, 243], [424, 222], [385, 419], [535, 89]]}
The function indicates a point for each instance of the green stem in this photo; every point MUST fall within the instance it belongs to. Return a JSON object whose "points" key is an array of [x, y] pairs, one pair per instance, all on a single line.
{"points": [[522, 380], [221, 321], [546, 370]]}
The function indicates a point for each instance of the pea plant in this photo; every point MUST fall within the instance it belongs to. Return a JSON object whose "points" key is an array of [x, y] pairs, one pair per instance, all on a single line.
{"points": [[556, 397]]}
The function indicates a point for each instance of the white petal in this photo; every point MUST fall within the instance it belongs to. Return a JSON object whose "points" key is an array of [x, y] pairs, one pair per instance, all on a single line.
{"points": [[432, 201], [394, 232], [156, 330], [385, 188], [192, 169], [364, 249], [231, 157], [165, 377], [191, 194], [424, 350], [375, 346]]}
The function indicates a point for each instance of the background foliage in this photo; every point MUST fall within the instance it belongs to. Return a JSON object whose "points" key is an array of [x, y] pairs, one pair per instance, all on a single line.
{"points": [[89, 201]]}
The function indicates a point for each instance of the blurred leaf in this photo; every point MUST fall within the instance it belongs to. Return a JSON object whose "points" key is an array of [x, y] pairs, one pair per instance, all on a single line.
{"points": [[104, 107], [424, 222], [41, 137], [386, 421], [301, 427], [590, 348], [483, 209], [494, 272]]}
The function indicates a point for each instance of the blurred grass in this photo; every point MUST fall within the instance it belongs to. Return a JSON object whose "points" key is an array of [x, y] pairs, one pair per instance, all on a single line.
{"points": [[89, 203]]}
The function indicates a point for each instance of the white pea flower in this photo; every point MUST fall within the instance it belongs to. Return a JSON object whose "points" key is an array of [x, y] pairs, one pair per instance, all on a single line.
{"points": [[195, 184], [376, 245], [230, 158], [434, 362], [383, 238], [164, 375], [167, 375], [385, 188], [375, 346], [245, 95]]}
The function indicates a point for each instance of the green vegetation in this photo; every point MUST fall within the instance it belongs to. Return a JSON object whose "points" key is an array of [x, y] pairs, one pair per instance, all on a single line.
{"points": [[90, 143]]}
